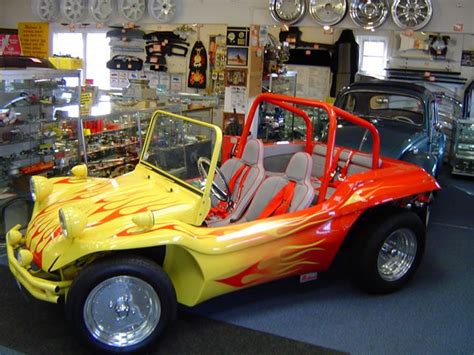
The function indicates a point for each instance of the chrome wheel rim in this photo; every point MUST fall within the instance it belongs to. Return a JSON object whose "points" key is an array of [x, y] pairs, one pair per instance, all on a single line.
{"points": [[101, 10], [413, 14], [287, 11], [132, 10], [46, 10], [369, 14], [397, 255], [162, 10], [122, 311], [73, 10], [327, 12]]}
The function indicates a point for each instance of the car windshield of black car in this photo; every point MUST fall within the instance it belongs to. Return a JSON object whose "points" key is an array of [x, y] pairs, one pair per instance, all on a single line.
{"points": [[402, 108]]}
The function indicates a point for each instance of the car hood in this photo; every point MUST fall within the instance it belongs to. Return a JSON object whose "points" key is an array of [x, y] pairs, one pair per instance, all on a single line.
{"points": [[395, 138], [109, 205]]}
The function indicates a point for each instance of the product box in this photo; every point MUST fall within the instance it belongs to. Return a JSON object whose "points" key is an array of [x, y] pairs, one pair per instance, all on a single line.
{"points": [[66, 62]]}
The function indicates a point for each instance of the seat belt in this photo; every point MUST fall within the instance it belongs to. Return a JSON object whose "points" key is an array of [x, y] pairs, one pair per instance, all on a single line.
{"points": [[345, 168], [222, 208], [280, 203], [235, 177]]}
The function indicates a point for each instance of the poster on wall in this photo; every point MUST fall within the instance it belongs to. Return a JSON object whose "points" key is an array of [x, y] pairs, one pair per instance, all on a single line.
{"points": [[312, 82], [238, 36], [237, 56], [235, 99], [34, 38], [9, 42]]}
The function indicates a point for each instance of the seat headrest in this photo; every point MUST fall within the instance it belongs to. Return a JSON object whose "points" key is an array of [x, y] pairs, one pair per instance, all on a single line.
{"points": [[299, 167], [253, 152]]}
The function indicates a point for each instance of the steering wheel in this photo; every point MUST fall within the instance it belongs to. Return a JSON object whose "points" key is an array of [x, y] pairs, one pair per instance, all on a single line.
{"points": [[219, 193]]}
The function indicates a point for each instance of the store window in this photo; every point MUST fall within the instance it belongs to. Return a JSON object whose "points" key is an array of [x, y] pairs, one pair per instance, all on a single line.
{"points": [[92, 47], [373, 55]]}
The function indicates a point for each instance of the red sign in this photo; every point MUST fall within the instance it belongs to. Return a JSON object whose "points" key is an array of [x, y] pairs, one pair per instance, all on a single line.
{"points": [[9, 44]]}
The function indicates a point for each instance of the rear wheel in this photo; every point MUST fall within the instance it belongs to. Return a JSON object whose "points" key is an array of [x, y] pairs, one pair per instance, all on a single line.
{"points": [[121, 304], [387, 254]]}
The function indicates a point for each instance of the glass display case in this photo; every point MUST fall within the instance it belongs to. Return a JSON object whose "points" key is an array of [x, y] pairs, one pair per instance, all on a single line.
{"points": [[113, 135], [276, 124], [200, 107], [463, 152], [34, 121]]}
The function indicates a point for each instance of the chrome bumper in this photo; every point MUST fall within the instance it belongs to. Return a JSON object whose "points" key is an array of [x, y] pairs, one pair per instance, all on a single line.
{"points": [[45, 290]]}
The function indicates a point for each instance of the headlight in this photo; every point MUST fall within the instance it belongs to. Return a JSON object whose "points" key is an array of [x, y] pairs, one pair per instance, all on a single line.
{"points": [[79, 171], [40, 188], [72, 221], [24, 257]]}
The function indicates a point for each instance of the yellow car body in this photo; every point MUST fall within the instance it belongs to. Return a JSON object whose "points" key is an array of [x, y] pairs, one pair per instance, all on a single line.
{"points": [[79, 221]]}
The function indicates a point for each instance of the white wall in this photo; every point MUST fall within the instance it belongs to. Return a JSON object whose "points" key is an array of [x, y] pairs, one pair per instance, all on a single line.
{"points": [[245, 12], [2, 12], [447, 13]]}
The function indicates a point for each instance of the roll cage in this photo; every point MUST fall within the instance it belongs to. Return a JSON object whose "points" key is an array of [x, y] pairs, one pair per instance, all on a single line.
{"points": [[287, 103]]}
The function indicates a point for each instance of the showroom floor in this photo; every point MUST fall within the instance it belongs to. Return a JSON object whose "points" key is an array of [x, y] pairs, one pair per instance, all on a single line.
{"points": [[433, 314]]}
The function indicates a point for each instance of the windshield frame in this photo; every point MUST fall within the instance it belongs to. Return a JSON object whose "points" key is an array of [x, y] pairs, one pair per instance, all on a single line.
{"points": [[215, 151]]}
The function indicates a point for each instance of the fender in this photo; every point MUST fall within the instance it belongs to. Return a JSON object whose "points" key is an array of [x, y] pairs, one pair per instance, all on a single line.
{"points": [[429, 162]]}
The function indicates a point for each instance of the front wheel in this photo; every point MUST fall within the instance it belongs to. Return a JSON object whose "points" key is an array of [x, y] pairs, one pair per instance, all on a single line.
{"points": [[387, 254], [121, 304]]}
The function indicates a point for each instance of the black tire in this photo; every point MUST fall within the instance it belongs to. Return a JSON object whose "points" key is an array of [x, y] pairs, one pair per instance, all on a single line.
{"points": [[113, 271], [369, 241]]}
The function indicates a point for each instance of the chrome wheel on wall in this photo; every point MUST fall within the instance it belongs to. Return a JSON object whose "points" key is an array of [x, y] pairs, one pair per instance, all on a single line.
{"points": [[328, 12], [287, 11], [73, 10], [46, 10], [101, 10], [412, 14], [121, 304], [132, 10], [162, 11], [369, 14]]}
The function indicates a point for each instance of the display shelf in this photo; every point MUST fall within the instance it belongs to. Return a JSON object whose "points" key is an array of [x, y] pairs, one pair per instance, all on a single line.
{"points": [[33, 109], [112, 135], [463, 151]]}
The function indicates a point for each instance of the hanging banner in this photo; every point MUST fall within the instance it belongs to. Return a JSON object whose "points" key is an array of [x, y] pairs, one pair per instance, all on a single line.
{"points": [[34, 38], [9, 42]]}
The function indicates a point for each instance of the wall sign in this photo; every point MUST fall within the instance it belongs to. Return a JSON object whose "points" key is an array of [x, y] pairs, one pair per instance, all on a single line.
{"points": [[238, 36], [34, 38], [9, 43]]}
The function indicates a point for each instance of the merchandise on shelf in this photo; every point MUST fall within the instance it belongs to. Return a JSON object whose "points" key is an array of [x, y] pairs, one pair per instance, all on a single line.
{"points": [[463, 150], [35, 134]]}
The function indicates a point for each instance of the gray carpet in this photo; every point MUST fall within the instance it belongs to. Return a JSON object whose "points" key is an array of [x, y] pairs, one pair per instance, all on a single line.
{"points": [[33, 327]]}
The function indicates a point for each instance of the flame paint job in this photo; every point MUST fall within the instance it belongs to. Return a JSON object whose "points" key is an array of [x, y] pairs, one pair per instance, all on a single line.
{"points": [[205, 262]]}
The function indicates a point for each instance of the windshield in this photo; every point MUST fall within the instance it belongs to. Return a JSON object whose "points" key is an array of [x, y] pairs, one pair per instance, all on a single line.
{"points": [[175, 144], [384, 106]]}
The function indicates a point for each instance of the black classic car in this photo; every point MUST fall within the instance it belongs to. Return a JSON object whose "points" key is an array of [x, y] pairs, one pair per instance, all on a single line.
{"points": [[406, 116]]}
